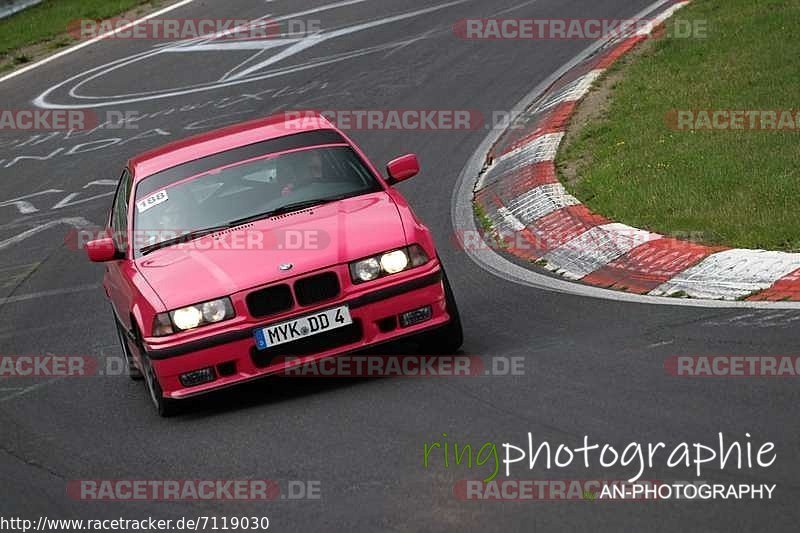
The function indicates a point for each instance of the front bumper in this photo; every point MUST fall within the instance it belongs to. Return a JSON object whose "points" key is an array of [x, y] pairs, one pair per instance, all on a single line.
{"points": [[235, 359]]}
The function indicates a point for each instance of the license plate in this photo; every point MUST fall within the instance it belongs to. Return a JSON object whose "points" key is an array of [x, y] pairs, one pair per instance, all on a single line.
{"points": [[302, 327]]}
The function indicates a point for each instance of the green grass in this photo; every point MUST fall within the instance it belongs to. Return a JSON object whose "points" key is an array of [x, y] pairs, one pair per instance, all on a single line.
{"points": [[735, 188], [50, 19]]}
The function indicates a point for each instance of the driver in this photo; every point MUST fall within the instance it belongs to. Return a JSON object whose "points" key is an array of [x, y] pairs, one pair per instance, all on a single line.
{"points": [[302, 169]]}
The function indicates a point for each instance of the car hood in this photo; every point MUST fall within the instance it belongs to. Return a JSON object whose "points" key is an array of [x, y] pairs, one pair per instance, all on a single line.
{"points": [[251, 255]]}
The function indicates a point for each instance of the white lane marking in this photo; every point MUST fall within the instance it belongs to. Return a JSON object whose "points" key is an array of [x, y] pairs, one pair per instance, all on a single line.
{"points": [[662, 343], [595, 248], [512, 8], [540, 201], [84, 44], [77, 222], [69, 200], [27, 390], [23, 205], [10, 7], [540, 149], [48, 294], [731, 274], [75, 83]]}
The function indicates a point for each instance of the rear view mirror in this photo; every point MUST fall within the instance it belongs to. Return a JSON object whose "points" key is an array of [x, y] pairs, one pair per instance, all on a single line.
{"points": [[402, 168], [101, 250]]}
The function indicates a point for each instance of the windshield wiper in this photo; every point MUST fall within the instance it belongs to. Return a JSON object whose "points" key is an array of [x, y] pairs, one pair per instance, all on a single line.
{"points": [[288, 208], [186, 237]]}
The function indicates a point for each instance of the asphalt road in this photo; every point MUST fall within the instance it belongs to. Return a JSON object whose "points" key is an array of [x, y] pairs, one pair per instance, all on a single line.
{"points": [[592, 367]]}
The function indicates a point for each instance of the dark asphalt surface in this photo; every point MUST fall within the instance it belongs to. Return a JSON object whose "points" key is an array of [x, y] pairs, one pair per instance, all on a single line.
{"points": [[592, 367]]}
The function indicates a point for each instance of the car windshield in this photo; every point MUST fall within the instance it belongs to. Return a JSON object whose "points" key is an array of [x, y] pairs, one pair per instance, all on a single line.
{"points": [[225, 196]]}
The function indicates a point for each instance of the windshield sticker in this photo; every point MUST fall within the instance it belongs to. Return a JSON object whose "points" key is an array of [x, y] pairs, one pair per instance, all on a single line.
{"points": [[151, 201]]}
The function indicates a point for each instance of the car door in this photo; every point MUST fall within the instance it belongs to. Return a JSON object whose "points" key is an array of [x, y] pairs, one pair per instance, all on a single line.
{"points": [[117, 279]]}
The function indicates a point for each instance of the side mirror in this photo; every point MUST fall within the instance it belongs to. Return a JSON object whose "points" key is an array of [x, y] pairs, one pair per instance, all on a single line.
{"points": [[101, 250], [402, 168]]}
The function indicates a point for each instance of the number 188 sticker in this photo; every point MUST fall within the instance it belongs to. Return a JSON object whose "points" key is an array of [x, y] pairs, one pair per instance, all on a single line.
{"points": [[152, 201]]}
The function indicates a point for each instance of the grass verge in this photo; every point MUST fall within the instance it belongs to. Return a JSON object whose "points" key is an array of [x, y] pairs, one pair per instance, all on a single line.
{"points": [[738, 188], [34, 32]]}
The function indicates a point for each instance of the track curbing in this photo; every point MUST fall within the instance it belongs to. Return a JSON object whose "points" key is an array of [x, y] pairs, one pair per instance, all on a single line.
{"points": [[539, 221]]}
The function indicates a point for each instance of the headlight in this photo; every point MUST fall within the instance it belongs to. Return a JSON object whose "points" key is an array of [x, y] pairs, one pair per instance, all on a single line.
{"points": [[387, 263], [193, 316], [394, 262], [214, 311], [366, 269], [187, 318]]}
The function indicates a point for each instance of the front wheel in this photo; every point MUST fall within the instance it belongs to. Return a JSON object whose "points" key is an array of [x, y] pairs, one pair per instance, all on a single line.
{"points": [[165, 407], [447, 339], [133, 372]]}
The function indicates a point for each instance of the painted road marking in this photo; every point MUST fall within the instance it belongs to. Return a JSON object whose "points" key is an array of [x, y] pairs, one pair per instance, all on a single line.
{"points": [[48, 294], [82, 45], [266, 68], [76, 222]]}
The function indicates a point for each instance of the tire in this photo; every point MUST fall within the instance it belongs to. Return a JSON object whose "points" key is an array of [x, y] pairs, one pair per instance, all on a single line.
{"points": [[165, 407], [133, 371], [447, 339]]}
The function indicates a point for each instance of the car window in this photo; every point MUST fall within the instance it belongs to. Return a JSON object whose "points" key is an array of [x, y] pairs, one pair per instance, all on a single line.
{"points": [[219, 196], [119, 213]]}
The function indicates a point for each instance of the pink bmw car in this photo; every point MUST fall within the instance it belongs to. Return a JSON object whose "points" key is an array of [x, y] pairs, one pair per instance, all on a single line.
{"points": [[236, 253]]}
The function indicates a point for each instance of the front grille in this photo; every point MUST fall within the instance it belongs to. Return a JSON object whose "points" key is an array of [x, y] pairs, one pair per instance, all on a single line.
{"points": [[315, 289], [270, 301], [310, 345]]}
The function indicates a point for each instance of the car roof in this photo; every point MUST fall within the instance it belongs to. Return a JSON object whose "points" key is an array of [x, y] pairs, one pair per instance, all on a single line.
{"points": [[224, 139]]}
